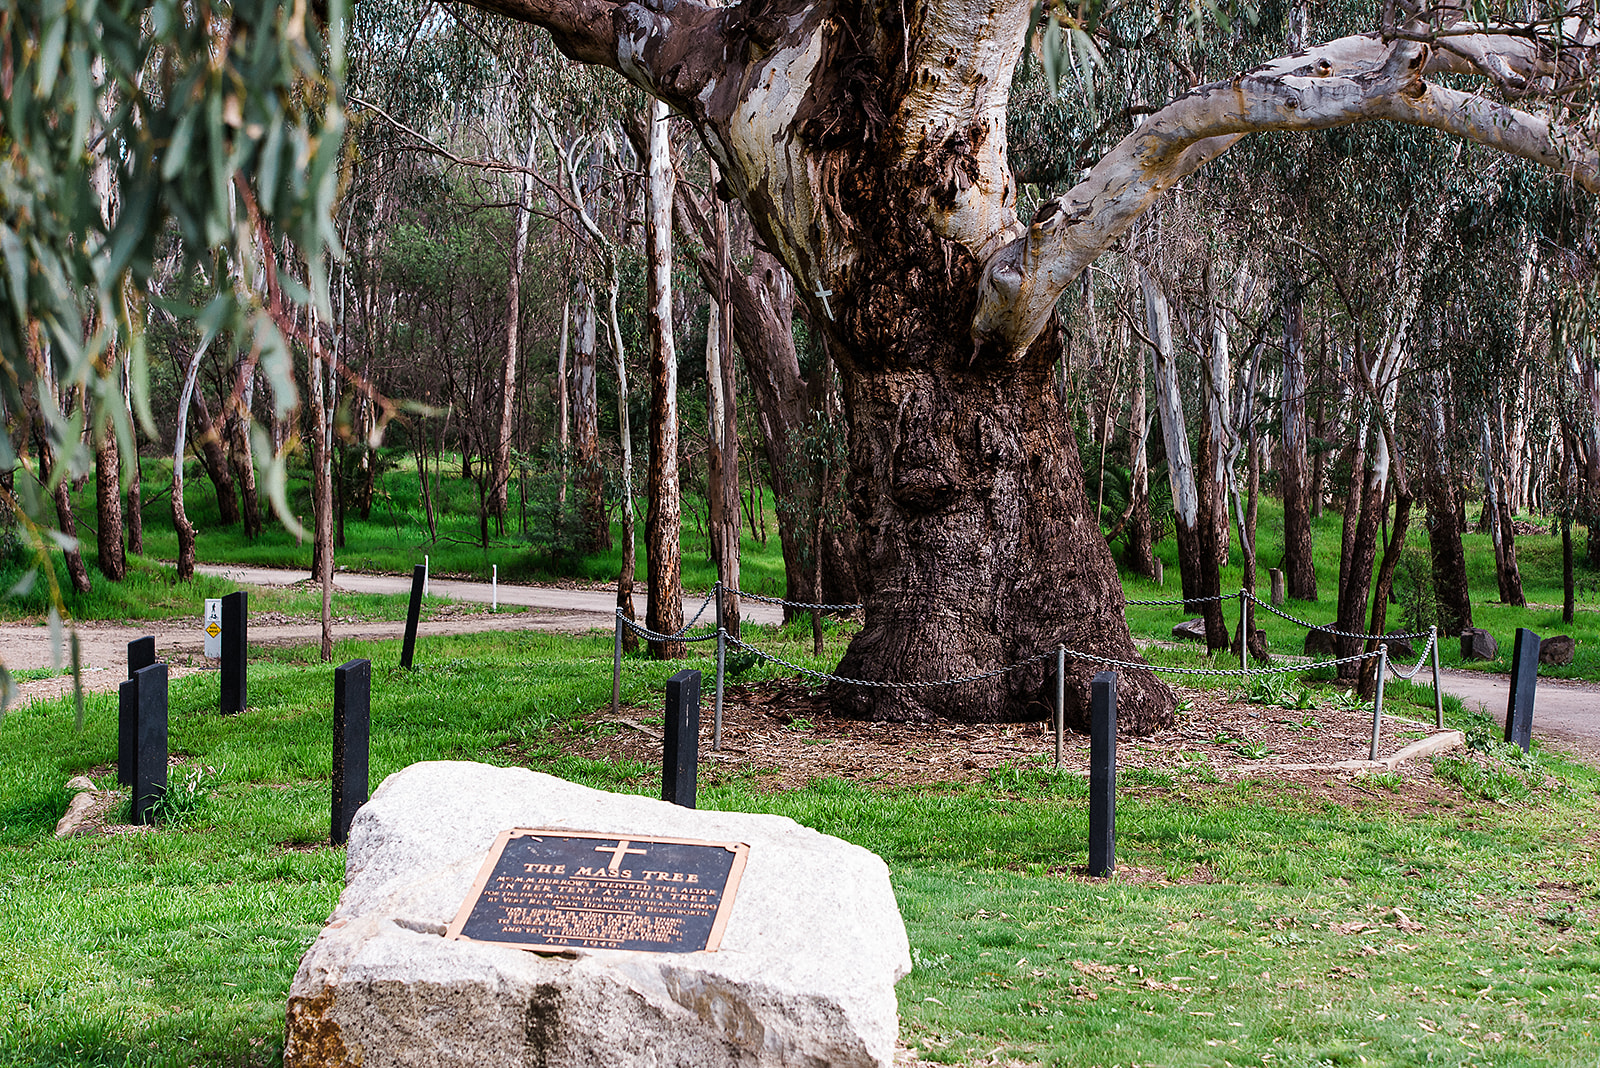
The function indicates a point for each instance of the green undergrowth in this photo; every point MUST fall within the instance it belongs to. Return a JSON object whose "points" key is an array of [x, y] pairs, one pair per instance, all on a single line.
{"points": [[1446, 919]]}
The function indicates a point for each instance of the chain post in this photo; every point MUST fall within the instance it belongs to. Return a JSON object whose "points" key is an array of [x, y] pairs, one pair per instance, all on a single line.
{"points": [[1377, 701], [722, 651], [1244, 638], [1438, 694], [1061, 698], [616, 669], [716, 592]]}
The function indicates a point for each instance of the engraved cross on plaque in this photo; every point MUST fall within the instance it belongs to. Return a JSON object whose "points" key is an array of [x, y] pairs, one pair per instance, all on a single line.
{"points": [[617, 852]]}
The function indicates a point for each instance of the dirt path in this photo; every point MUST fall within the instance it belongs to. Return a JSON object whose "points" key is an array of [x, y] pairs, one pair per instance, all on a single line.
{"points": [[1565, 711]]}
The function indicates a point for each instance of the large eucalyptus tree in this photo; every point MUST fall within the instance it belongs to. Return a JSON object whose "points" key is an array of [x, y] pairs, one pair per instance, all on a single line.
{"points": [[869, 144]]}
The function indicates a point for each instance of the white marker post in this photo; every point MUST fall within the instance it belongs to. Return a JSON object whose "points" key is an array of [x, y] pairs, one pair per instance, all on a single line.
{"points": [[494, 588], [213, 627], [424, 574]]}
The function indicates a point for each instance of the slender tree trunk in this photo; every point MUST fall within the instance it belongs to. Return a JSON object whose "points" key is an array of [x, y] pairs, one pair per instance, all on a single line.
{"points": [[209, 437], [1298, 564], [1385, 586], [1444, 526], [240, 453], [1138, 551], [625, 577], [563, 406], [586, 427], [77, 571], [108, 506], [1197, 561], [664, 518], [501, 473], [133, 513], [322, 402], [722, 475], [180, 517]]}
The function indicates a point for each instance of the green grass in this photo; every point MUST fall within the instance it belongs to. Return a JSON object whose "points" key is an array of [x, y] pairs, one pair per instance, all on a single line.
{"points": [[1253, 922], [396, 536]]}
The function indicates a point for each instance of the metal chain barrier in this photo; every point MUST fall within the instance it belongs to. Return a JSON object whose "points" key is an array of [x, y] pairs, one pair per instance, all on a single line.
{"points": [[651, 636], [889, 685], [1426, 650], [1408, 636], [1229, 672], [1182, 600], [796, 604]]}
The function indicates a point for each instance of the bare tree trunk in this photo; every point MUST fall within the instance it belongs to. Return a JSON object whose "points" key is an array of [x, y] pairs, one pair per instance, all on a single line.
{"points": [[586, 425], [664, 518], [1137, 549], [1497, 516], [322, 486], [1216, 379], [240, 453], [108, 506], [563, 406], [722, 474], [625, 577], [501, 472], [180, 518], [1198, 567], [1298, 564], [77, 571], [209, 437], [1444, 527], [133, 513]]}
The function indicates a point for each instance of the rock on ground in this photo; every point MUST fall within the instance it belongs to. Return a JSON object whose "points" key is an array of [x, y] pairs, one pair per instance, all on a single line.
{"points": [[1557, 650], [804, 976], [1478, 644]]}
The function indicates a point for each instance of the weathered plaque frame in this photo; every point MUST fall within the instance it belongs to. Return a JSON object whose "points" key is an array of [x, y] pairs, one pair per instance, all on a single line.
{"points": [[475, 912]]}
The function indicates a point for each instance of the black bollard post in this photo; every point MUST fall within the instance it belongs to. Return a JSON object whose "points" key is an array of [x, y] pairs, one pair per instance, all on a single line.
{"points": [[235, 612], [1524, 678], [150, 745], [352, 733], [141, 654], [419, 575], [680, 756], [1103, 774]]}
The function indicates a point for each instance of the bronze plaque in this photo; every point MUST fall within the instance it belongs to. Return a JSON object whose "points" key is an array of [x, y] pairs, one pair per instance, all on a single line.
{"points": [[554, 890]]}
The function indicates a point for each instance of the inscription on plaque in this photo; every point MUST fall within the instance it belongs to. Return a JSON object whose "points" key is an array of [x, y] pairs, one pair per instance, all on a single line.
{"points": [[544, 889]]}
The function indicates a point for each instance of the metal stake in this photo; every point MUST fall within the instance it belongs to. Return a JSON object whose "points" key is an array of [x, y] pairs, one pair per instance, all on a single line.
{"points": [[1377, 703], [494, 589], [616, 669], [1244, 637], [722, 649], [1061, 697], [1438, 694]]}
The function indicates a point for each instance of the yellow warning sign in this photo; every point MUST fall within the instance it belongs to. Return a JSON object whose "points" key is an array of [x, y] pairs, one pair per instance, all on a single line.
{"points": [[213, 630]]}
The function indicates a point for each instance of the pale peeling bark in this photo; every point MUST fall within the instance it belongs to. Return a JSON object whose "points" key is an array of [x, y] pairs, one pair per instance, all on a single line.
{"points": [[664, 518]]}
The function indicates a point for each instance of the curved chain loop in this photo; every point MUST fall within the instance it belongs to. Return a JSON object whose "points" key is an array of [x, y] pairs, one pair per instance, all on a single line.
{"points": [[1407, 636], [890, 685], [1408, 675], [651, 636], [796, 604], [1183, 600]]}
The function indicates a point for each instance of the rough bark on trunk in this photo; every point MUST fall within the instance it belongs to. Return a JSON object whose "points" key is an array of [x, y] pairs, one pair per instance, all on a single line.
{"points": [[1138, 552], [180, 517], [1299, 568], [1385, 585], [1449, 559], [664, 517], [586, 426], [108, 506], [209, 437], [240, 453]]}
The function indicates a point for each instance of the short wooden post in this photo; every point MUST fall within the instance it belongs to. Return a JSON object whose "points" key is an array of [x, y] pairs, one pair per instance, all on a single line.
{"points": [[150, 744], [1103, 774], [1161, 573], [1276, 576], [1524, 678], [352, 735], [680, 756], [419, 579], [235, 616]]}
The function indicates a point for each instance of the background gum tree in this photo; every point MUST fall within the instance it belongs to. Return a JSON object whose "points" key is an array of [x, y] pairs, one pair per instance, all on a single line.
{"points": [[869, 145]]}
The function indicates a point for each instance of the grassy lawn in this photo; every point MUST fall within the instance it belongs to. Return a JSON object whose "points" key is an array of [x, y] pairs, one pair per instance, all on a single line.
{"points": [[1251, 922]]}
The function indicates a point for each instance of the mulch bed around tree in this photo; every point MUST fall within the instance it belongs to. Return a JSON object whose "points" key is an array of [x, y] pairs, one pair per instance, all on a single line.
{"points": [[782, 735]]}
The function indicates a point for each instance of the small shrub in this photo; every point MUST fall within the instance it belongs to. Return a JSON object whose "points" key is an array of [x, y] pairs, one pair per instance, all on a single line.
{"points": [[186, 798]]}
